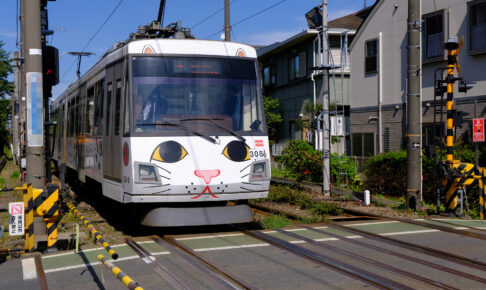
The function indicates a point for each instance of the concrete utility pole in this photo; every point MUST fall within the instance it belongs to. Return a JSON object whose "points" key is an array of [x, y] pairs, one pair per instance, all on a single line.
{"points": [[36, 172], [15, 109], [326, 145], [227, 26], [414, 110]]}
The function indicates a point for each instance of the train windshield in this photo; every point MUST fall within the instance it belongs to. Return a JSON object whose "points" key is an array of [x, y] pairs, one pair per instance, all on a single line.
{"points": [[211, 95]]}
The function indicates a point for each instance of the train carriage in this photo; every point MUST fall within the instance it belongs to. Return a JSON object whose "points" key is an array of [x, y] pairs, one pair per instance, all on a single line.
{"points": [[173, 126]]}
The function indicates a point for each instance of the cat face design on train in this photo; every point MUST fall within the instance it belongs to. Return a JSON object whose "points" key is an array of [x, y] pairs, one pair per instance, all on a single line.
{"points": [[210, 169]]}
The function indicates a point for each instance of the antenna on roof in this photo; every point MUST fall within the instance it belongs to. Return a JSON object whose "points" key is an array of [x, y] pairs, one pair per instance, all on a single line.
{"points": [[364, 4], [160, 17]]}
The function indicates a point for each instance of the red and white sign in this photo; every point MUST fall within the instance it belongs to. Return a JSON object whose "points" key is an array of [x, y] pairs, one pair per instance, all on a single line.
{"points": [[16, 218], [478, 130], [258, 143]]}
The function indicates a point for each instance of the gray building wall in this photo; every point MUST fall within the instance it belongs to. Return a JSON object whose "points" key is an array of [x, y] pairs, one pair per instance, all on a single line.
{"points": [[391, 20]]}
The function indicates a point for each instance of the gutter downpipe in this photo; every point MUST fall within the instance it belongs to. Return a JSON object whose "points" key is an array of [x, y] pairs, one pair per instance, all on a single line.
{"points": [[380, 92]]}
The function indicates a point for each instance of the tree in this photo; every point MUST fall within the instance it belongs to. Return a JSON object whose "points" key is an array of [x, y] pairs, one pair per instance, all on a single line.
{"points": [[6, 88], [272, 115]]}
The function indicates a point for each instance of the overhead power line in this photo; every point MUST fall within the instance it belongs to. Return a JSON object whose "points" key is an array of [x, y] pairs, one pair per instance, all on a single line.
{"points": [[210, 16], [249, 17], [94, 35]]}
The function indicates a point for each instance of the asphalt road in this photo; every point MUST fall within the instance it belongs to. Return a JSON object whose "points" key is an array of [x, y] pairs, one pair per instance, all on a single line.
{"points": [[262, 265]]}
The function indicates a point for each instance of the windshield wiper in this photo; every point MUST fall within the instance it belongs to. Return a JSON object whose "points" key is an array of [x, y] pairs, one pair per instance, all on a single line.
{"points": [[212, 121], [209, 138]]}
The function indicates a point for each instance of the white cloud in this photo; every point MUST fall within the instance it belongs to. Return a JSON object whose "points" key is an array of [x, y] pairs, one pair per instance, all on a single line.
{"points": [[267, 37]]}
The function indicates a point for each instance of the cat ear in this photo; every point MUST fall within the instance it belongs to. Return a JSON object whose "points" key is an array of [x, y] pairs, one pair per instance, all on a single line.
{"points": [[169, 152]]}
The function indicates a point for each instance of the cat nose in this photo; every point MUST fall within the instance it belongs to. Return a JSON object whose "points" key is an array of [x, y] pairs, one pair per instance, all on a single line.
{"points": [[207, 175]]}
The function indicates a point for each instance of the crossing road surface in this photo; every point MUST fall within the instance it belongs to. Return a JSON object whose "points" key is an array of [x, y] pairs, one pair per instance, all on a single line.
{"points": [[261, 264]]}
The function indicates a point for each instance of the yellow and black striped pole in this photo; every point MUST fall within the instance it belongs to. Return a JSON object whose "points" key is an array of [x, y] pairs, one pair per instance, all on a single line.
{"points": [[94, 232], [126, 280], [29, 216], [46, 205], [482, 193], [451, 195]]}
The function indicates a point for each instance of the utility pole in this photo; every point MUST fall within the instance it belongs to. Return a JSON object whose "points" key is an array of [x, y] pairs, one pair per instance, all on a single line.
{"points": [[414, 110], [36, 171], [326, 147], [15, 108], [227, 26]]}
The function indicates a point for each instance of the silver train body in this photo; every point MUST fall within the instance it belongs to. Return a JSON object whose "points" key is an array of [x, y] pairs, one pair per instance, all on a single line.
{"points": [[173, 126]]}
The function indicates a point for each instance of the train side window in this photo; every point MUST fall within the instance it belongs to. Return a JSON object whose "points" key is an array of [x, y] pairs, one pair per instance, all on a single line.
{"points": [[98, 115], [76, 117], [89, 112], [71, 119], [108, 106], [126, 126], [117, 107]]}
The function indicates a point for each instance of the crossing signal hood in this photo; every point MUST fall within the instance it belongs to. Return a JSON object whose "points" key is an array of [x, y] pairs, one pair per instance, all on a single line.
{"points": [[50, 65]]}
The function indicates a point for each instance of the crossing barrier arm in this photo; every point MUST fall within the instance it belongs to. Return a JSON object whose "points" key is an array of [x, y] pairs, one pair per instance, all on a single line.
{"points": [[124, 278]]}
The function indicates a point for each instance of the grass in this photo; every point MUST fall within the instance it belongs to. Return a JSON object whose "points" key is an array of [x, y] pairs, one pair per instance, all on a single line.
{"points": [[15, 175], [284, 173], [274, 222], [286, 194]]}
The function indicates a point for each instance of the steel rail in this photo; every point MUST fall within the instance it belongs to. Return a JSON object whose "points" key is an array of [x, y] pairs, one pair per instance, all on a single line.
{"points": [[428, 225], [369, 261], [202, 269], [341, 267], [397, 254], [228, 275], [40, 272], [478, 265], [457, 225], [168, 276]]}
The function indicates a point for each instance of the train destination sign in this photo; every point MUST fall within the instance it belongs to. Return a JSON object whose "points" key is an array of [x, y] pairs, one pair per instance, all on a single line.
{"points": [[16, 218], [478, 130]]}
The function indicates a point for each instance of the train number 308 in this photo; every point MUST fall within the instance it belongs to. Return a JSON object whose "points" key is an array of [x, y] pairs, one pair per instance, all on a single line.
{"points": [[258, 153]]}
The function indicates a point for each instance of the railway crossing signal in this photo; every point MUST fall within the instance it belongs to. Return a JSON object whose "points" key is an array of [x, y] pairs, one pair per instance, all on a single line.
{"points": [[50, 65]]}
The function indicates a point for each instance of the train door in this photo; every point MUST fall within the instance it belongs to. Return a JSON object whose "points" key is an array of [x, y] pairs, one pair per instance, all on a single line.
{"points": [[112, 137]]}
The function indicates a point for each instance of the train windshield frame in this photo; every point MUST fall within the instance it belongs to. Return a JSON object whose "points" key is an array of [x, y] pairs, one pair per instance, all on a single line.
{"points": [[199, 92]]}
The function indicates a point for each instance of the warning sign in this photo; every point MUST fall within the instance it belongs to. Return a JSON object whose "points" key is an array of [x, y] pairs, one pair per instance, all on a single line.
{"points": [[478, 130], [16, 218]]}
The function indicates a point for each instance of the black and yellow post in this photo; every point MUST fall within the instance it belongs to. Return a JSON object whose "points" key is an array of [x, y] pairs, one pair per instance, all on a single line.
{"points": [[47, 205], [482, 193], [451, 195], [29, 216]]}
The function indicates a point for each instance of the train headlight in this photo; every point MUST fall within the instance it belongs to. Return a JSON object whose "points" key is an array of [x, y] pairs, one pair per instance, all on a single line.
{"points": [[146, 173], [259, 170]]}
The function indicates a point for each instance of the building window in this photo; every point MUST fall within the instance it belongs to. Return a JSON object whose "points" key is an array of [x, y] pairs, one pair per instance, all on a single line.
{"points": [[477, 26], [363, 144], [371, 56], [433, 36], [297, 66], [269, 76]]}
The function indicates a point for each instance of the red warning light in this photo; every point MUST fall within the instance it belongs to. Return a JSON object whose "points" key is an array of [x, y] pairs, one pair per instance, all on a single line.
{"points": [[49, 72]]}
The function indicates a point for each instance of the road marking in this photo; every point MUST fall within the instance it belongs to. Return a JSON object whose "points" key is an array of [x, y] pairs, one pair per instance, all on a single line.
{"points": [[28, 268], [372, 223], [90, 250], [97, 262]]}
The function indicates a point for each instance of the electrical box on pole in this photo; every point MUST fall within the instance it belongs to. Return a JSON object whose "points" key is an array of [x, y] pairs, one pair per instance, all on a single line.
{"points": [[50, 65]]}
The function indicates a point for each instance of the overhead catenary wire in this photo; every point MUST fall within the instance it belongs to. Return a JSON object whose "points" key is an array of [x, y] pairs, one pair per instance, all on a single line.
{"points": [[210, 16], [94, 35], [248, 17]]}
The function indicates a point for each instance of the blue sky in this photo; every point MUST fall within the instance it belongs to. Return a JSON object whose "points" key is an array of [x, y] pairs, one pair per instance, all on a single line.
{"points": [[75, 22]]}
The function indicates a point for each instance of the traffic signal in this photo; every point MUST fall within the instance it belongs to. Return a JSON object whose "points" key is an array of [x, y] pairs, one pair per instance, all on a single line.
{"points": [[464, 86], [50, 65]]}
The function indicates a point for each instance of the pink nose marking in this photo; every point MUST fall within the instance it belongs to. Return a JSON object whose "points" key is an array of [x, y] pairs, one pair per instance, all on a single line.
{"points": [[207, 174]]}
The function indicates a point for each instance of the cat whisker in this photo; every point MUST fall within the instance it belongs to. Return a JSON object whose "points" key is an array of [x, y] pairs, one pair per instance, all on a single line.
{"points": [[163, 191], [252, 183], [164, 169], [245, 167], [245, 175], [164, 177], [152, 186], [245, 189]]}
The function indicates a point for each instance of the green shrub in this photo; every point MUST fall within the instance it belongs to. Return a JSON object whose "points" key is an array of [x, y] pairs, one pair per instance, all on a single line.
{"points": [[305, 163], [387, 173]]}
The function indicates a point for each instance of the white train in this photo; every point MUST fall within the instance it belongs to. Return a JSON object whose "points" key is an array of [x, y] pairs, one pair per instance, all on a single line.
{"points": [[175, 126]]}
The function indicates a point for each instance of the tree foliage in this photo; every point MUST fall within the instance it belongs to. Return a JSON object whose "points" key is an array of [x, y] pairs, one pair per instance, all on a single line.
{"points": [[272, 115], [6, 88]]}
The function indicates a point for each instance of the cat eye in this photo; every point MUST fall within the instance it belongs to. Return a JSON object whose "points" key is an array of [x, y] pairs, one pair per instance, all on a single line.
{"points": [[169, 152], [237, 151]]}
